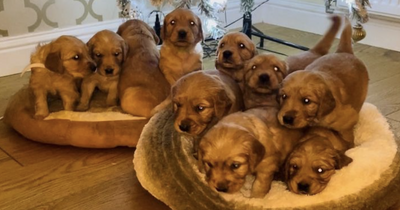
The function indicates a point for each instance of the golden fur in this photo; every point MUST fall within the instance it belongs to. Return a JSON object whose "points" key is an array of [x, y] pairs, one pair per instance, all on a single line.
{"points": [[243, 143], [302, 60], [202, 98], [141, 86], [262, 79], [314, 160], [181, 51], [66, 60], [234, 49], [328, 93], [108, 50]]}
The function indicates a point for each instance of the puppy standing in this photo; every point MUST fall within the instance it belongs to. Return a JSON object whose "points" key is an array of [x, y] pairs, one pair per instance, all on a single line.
{"points": [[314, 160], [63, 61], [234, 49], [303, 59], [181, 52], [262, 79], [245, 143], [108, 50], [142, 85], [328, 93]]}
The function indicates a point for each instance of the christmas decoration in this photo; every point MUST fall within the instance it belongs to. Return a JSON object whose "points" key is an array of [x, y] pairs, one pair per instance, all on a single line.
{"points": [[129, 10], [246, 5], [358, 11]]}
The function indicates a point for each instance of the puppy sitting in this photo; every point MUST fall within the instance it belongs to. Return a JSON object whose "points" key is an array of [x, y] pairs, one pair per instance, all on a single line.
{"points": [[262, 79], [314, 160], [245, 143], [328, 93], [234, 49], [62, 62], [108, 50], [302, 60], [141, 85], [202, 98], [181, 52]]}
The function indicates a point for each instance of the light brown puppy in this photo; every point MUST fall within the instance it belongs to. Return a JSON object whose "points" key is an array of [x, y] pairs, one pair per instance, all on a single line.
{"points": [[109, 51], [65, 60], [234, 49], [244, 143], [302, 60], [202, 98], [141, 86], [314, 160], [328, 93], [181, 51], [262, 79]]}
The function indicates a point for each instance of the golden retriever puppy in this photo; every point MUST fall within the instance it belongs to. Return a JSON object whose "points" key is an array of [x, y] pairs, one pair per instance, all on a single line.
{"points": [[109, 50], [302, 60], [141, 85], [234, 49], [243, 143], [65, 60], [314, 160], [262, 79], [328, 93], [181, 51], [202, 98]]}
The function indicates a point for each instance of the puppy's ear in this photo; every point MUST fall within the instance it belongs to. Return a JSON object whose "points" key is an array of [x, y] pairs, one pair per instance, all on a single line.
{"points": [[163, 32], [327, 102], [90, 45], [222, 103], [153, 32], [200, 36], [125, 49], [256, 151], [342, 160], [54, 63]]}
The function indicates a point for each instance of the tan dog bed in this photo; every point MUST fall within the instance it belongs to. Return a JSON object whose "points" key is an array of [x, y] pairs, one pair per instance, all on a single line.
{"points": [[97, 128], [165, 167]]}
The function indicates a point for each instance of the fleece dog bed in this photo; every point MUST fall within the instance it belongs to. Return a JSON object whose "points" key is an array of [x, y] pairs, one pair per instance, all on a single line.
{"points": [[166, 168], [99, 127]]}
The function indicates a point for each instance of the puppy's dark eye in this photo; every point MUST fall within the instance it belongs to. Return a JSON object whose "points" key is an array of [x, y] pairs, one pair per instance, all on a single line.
{"points": [[76, 57], [241, 45], [199, 108], [276, 68], [116, 54], [254, 67], [284, 96], [172, 22], [192, 23], [222, 45], [235, 166], [294, 166], [98, 55], [306, 101], [209, 164], [320, 170]]}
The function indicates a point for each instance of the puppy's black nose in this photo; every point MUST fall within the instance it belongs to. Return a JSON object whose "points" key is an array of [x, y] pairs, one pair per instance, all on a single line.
{"points": [[222, 187], [288, 120], [184, 127], [227, 54], [109, 71], [263, 78], [182, 34], [92, 66], [303, 187]]}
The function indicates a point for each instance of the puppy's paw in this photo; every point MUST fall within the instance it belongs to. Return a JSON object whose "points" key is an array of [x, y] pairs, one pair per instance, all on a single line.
{"points": [[257, 194], [82, 107]]}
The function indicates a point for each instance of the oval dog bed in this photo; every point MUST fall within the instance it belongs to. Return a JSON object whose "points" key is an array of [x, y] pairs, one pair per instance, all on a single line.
{"points": [[97, 128], [166, 168]]}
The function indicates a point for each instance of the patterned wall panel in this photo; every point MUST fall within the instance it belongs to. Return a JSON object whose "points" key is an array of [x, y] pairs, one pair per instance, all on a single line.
{"points": [[26, 16]]}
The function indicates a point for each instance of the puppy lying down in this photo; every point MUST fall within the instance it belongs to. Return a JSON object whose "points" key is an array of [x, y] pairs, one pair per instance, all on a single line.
{"points": [[242, 144]]}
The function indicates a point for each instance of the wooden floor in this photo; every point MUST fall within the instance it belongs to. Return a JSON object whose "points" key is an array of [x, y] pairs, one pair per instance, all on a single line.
{"points": [[39, 176]]}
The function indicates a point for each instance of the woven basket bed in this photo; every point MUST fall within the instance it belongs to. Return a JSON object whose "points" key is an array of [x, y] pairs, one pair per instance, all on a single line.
{"points": [[165, 166]]}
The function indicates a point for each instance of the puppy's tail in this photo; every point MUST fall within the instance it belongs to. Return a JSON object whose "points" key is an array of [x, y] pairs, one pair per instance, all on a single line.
{"points": [[345, 44], [323, 46]]}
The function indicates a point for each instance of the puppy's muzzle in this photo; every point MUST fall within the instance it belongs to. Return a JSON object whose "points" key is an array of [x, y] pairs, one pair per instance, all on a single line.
{"points": [[288, 119], [184, 126], [109, 71], [182, 34], [303, 188], [227, 54]]}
